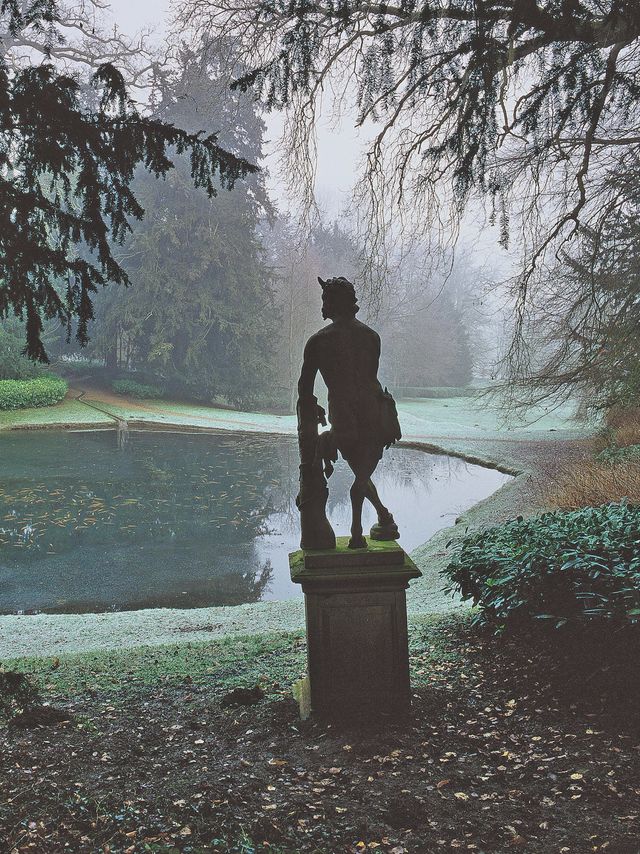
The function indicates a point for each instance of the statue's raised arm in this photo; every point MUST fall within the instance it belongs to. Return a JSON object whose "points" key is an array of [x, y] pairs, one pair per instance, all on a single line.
{"points": [[362, 416]]}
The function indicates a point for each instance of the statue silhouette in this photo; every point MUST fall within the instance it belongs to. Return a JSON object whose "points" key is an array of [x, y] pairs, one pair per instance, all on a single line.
{"points": [[362, 416]]}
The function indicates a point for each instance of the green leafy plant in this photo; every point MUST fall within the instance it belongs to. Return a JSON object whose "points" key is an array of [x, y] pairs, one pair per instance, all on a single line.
{"points": [[565, 567], [17, 694], [136, 389], [42, 391]]}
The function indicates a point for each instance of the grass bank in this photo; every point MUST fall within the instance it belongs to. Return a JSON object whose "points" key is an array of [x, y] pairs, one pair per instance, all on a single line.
{"points": [[446, 418]]}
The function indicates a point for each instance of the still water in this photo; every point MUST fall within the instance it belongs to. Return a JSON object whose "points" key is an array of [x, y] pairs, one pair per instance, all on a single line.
{"points": [[88, 523]]}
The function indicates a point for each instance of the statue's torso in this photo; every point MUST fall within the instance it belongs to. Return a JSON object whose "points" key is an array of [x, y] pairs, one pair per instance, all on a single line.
{"points": [[347, 354]]}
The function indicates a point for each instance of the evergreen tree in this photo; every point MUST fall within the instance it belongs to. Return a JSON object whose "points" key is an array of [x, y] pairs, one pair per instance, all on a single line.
{"points": [[200, 310], [13, 364], [65, 179]]}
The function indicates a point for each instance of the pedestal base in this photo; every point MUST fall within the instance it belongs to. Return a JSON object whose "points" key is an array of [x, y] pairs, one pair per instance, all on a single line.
{"points": [[356, 617]]}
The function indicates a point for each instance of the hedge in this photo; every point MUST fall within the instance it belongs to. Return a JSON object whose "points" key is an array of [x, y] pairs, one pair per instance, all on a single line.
{"points": [[42, 391], [565, 567], [434, 392], [135, 389]]}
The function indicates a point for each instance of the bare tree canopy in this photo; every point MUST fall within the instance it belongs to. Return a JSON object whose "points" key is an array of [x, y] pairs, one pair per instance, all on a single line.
{"points": [[584, 326], [76, 36], [528, 104]]}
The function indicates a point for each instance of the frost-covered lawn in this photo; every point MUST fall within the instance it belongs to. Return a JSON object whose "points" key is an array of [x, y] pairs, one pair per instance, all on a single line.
{"points": [[183, 414], [70, 413], [457, 417], [473, 418]]}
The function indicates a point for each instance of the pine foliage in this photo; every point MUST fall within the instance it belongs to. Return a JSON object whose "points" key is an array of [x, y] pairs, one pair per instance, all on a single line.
{"points": [[199, 316], [452, 55], [65, 183]]}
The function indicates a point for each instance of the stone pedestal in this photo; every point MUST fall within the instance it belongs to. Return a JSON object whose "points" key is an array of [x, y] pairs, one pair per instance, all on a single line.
{"points": [[356, 617]]}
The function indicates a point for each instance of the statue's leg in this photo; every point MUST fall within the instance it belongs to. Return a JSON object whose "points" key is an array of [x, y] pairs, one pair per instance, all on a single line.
{"points": [[358, 492], [385, 528], [363, 467], [372, 494]]}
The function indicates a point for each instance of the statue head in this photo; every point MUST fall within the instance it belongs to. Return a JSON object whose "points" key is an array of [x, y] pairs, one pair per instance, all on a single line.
{"points": [[338, 298]]}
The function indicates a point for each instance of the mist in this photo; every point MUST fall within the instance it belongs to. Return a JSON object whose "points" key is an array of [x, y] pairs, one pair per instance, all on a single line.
{"points": [[319, 426]]}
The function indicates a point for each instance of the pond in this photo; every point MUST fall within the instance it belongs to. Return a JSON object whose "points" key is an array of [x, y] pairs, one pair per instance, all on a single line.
{"points": [[90, 524]]}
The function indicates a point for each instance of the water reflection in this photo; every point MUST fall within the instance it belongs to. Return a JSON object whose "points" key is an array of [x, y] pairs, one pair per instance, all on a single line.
{"points": [[89, 522]]}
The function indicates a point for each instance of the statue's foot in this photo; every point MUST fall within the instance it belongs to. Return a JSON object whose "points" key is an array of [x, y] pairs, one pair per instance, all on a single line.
{"points": [[318, 540], [357, 542], [385, 529]]}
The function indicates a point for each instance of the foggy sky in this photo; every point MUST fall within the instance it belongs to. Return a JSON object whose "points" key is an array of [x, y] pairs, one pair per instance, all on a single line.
{"points": [[338, 150]]}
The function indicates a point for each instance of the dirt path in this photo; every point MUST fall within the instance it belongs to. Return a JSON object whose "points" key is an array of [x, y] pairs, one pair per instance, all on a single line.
{"points": [[544, 763]]}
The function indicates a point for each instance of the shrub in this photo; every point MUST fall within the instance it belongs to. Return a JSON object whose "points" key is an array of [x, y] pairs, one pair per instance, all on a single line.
{"points": [[43, 391], [433, 392], [135, 389], [612, 475], [615, 454], [622, 427], [17, 694], [574, 567], [13, 364], [591, 483], [72, 366]]}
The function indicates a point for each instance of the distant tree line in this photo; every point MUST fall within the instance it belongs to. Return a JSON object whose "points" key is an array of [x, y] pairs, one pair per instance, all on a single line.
{"points": [[217, 294], [222, 292], [502, 99]]}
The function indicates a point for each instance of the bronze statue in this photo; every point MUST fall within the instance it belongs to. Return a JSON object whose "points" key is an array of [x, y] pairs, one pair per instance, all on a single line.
{"points": [[362, 415]]}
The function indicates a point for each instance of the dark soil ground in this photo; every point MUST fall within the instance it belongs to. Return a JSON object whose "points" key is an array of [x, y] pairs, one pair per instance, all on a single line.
{"points": [[503, 751]]}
